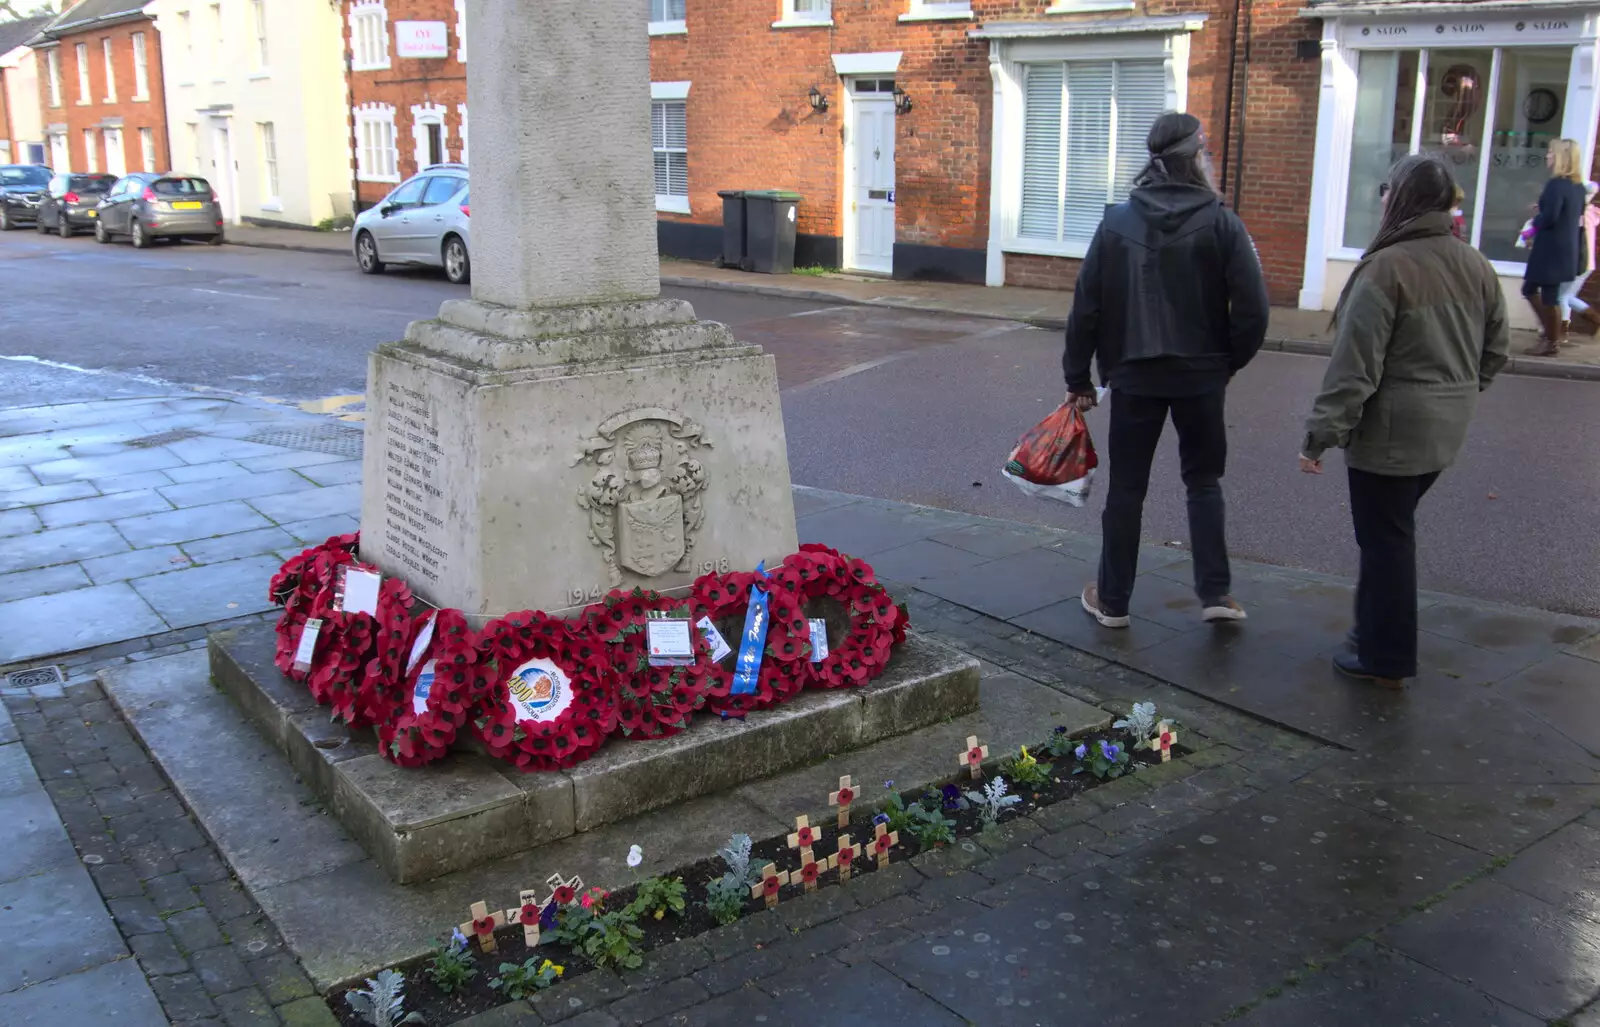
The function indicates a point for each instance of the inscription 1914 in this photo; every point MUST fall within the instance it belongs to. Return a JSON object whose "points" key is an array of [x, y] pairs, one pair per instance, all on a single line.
{"points": [[411, 488]]}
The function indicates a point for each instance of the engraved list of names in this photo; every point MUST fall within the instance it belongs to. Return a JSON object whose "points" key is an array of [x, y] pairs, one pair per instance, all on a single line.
{"points": [[411, 492]]}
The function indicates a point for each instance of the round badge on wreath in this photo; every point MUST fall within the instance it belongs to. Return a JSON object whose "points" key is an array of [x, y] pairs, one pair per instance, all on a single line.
{"points": [[446, 678], [546, 707]]}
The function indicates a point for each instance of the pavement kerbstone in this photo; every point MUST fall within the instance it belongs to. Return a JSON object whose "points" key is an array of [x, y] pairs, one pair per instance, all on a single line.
{"points": [[221, 970], [171, 893], [881, 886], [636, 1010], [224, 899], [962, 853], [679, 959], [591, 991], [183, 997], [736, 972], [193, 930], [280, 978], [1011, 863], [202, 867], [136, 916], [948, 888], [817, 907], [116, 881], [247, 1008], [157, 954], [745, 935], [307, 1012], [1004, 837]]}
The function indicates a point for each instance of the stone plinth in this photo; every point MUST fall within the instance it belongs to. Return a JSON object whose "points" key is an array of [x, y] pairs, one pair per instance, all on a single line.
{"points": [[466, 810], [537, 459]]}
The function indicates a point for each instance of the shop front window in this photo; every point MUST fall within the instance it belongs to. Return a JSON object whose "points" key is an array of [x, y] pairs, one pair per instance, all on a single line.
{"points": [[1489, 114]]}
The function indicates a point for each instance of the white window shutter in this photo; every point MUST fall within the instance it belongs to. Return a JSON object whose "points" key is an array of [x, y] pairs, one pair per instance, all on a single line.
{"points": [[1089, 88], [1141, 99], [1040, 217], [677, 131]]}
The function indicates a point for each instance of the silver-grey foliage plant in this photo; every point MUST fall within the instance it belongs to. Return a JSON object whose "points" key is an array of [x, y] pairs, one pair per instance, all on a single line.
{"points": [[383, 1001], [993, 800], [737, 855], [1140, 723]]}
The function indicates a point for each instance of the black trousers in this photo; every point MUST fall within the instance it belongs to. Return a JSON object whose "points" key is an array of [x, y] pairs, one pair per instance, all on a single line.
{"points": [[1136, 426], [1384, 509]]}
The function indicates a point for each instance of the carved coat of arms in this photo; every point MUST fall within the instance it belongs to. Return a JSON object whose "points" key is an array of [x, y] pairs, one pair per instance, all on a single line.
{"points": [[645, 501]]}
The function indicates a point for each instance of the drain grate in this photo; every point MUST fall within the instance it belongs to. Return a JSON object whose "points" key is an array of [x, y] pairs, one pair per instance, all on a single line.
{"points": [[164, 438], [35, 676], [336, 439]]}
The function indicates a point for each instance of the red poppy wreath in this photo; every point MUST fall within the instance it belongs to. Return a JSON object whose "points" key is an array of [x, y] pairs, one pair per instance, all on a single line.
{"points": [[552, 699], [726, 598], [876, 623], [652, 702], [449, 679], [382, 687], [304, 587]]}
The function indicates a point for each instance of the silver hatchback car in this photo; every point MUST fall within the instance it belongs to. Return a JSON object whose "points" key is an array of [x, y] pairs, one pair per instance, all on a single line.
{"points": [[424, 221]]}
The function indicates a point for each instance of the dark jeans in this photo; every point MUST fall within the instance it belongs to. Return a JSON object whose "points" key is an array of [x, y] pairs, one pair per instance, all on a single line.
{"points": [[1136, 425], [1384, 509]]}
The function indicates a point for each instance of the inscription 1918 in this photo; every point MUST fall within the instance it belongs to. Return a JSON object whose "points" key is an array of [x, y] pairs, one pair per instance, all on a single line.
{"points": [[411, 488]]}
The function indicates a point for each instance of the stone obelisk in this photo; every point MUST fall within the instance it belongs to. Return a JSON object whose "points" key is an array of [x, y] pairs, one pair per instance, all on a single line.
{"points": [[566, 431]]}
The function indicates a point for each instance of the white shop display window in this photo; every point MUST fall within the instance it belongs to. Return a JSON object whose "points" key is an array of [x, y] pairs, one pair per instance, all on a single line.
{"points": [[1487, 93]]}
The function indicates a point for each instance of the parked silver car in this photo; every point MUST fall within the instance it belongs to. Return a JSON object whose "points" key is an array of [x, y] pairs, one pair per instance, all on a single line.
{"points": [[71, 202], [424, 221], [21, 189], [146, 206]]}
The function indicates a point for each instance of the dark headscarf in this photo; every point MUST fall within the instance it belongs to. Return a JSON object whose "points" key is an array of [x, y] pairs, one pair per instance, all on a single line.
{"points": [[1418, 185], [1177, 153]]}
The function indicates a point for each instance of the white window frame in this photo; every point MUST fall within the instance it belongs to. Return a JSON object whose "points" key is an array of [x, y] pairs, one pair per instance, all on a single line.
{"points": [[147, 149], [940, 10], [372, 163], [461, 111], [672, 92], [1088, 6], [116, 156], [1164, 38], [106, 53], [461, 31], [52, 62], [260, 55], [186, 29], [1343, 40], [141, 69], [271, 181], [790, 18], [81, 52], [219, 68], [60, 151], [369, 36], [91, 152], [668, 26], [194, 145], [423, 115]]}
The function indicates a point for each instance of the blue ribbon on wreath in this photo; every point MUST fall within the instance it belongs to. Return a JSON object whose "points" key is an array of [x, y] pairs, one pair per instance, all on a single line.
{"points": [[753, 643]]}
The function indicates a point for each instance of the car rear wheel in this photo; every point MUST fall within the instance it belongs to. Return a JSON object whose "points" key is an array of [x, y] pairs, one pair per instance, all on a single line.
{"points": [[5, 220], [100, 233], [140, 239], [40, 227], [214, 240], [457, 265], [367, 254], [64, 227]]}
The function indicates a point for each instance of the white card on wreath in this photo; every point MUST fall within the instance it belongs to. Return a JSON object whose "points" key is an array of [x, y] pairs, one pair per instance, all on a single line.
{"points": [[719, 645], [670, 641], [308, 644], [819, 640], [361, 591], [423, 640]]}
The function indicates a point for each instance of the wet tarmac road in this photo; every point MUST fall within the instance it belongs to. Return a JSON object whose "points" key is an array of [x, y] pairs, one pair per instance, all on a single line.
{"points": [[905, 406]]}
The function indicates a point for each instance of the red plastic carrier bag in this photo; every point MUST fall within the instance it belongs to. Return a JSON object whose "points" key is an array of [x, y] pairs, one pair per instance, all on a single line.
{"points": [[1055, 459]]}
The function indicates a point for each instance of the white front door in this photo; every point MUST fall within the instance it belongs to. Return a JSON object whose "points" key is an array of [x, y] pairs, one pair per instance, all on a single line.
{"points": [[869, 228], [116, 156], [222, 176], [59, 160]]}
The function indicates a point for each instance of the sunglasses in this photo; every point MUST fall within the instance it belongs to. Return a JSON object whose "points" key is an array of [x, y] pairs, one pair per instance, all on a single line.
{"points": [[1383, 190]]}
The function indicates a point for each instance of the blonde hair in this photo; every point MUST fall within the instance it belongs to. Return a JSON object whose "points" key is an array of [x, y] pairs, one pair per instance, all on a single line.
{"points": [[1460, 197], [1568, 159]]}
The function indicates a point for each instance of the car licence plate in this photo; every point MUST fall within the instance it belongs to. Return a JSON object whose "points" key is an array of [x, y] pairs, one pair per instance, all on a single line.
{"points": [[93, 213], [187, 205]]}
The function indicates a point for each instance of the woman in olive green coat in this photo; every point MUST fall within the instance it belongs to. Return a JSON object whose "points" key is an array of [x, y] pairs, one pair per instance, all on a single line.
{"points": [[1420, 331]]}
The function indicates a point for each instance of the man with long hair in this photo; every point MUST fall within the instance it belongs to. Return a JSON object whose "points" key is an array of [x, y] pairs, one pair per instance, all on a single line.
{"points": [[1171, 303]]}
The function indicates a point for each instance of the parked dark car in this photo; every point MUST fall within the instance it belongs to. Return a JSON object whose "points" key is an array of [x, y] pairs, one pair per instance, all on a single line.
{"points": [[21, 188], [69, 203], [145, 206]]}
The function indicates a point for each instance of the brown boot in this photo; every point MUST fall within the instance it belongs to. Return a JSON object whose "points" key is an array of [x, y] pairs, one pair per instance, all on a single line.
{"points": [[1551, 330], [1586, 322]]}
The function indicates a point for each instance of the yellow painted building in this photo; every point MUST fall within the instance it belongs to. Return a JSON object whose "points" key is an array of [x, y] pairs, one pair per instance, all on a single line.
{"points": [[256, 104]]}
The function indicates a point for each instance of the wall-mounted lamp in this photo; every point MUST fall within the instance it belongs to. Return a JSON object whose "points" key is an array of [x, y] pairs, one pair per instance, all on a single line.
{"points": [[902, 102], [819, 103]]}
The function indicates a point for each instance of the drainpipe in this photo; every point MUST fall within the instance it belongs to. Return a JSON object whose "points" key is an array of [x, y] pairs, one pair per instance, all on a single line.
{"points": [[355, 144], [1244, 98], [1227, 110]]}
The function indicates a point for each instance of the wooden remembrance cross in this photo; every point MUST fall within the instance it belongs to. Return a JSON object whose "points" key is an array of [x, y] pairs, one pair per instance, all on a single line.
{"points": [[532, 910], [483, 925], [772, 881], [843, 858], [842, 799], [972, 757]]}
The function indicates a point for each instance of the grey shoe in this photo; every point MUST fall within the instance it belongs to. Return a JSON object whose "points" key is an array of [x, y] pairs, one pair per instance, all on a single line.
{"points": [[1091, 606], [1223, 610]]}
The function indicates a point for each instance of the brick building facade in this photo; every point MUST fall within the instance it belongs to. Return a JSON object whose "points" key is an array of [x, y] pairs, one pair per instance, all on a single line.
{"points": [[981, 141], [100, 89]]}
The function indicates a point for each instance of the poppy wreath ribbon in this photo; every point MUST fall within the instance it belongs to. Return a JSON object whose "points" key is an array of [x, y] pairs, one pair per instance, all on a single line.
{"points": [[876, 623], [726, 597], [652, 702], [553, 697], [440, 693]]}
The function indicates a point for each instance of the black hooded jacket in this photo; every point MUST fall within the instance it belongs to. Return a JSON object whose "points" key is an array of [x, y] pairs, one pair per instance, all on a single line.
{"points": [[1170, 299]]}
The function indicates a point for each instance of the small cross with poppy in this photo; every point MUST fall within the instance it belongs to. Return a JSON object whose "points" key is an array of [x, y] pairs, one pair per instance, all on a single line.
{"points": [[842, 799], [804, 836], [1163, 741], [812, 868], [972, 757], [883, 840], [483, 924], [844, 857], [772, 881], [528, 915]]}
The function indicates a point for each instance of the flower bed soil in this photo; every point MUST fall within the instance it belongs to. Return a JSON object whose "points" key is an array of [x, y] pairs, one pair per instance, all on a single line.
{"points": [[438, 1008]]}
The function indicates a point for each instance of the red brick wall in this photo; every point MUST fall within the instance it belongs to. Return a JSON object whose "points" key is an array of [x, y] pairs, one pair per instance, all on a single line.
{"points": [[408, 82], [149, 113]]}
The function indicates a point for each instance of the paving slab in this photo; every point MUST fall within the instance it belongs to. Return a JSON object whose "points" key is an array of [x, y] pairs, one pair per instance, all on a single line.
{"points": [[18, 477], [65, 622], [60, 545], [19, 522], [1503, 628], [113, 994], [103, 508], [1374, 985], [1514, 947], [10, 499], [137, 481], [318, 529], [58, 926], [240, 486], [236, 546], [1064, 620], [190, 524], [200, 595], [35, 842], [1496, 817], [157, 458], [62, 577], [300, 506], [867, 528], [1564, 692], [341, 473], [923, 560], [136, 563], [1013, 585], [1563, 870], [205, 472]]}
